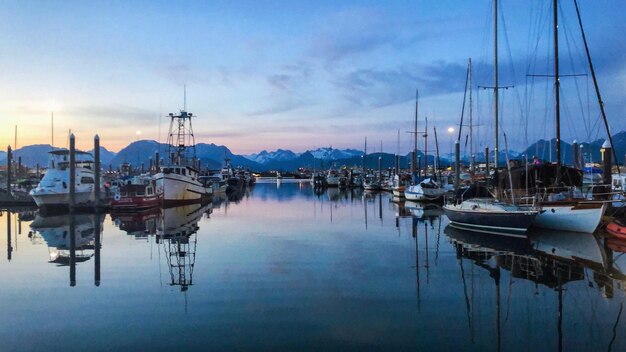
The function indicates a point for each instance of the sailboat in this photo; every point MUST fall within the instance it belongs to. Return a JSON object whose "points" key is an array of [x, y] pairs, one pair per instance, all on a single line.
{"points": [[556, 187], [426, 190], [491, 215], [178, 181]]}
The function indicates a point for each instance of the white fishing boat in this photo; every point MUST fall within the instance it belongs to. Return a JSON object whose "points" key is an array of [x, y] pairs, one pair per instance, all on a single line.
{"points": [[53, 189], [178, 181]]}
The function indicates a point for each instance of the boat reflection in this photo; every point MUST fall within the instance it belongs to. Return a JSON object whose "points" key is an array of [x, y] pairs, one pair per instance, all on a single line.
{"points": [[138, 224], [71, 239], [548, 258], [176, 231], [56, 231]]}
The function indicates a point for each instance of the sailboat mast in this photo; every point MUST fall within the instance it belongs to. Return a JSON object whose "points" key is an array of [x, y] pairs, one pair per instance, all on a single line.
{"points": [[414, 166], [595, 84], [557, 84], [495, 77], [471, 136], [425, 146]]}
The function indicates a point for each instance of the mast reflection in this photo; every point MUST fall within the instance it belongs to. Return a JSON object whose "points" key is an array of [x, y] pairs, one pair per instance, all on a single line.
{"points": [[548, 258]]}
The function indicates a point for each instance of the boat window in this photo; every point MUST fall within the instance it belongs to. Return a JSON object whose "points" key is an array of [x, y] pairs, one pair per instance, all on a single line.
{"points": [[183, 172], [149, 191], [86, 180], [177, 170], [140, 193]]}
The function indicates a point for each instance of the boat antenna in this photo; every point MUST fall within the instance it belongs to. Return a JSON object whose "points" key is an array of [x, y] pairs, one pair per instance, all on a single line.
{"points": [[595, 84], [184, 97]]}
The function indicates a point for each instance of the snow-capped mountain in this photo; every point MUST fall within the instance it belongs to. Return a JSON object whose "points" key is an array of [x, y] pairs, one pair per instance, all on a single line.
{"points": [[335, 154], [278, 155]]}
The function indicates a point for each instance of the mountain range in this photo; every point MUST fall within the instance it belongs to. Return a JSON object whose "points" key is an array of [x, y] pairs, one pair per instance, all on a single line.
{"points": [[212, 155]]}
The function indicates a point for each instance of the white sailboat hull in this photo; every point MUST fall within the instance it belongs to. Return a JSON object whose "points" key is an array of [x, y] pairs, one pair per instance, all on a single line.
{"points": [[419, 193], [570, 217]]}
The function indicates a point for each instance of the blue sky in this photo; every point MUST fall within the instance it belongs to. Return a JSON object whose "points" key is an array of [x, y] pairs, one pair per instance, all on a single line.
{"points": [[296, 74]]}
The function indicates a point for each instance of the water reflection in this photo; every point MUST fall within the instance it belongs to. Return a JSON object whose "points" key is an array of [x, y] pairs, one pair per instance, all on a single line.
{"points": [[292, 268], [71, 239], [177, 233], [547, 258]]}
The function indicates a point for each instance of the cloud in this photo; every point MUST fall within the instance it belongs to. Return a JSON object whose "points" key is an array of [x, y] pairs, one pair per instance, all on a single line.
{"points": [[383, 87], [118, 113], [350, 32]]}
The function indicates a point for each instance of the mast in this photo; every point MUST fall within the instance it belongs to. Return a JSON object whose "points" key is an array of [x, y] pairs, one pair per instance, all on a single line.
{"points": [[595, 84], [557, 84], [471, 136], [425, 146], [495, 77], [414, 166]]}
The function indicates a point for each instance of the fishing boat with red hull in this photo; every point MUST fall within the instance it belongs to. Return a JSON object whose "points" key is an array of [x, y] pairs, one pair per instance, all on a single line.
{"points": [[138, 193]]}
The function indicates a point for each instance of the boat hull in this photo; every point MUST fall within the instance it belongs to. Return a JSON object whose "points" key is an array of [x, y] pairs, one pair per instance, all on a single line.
{"points": [[136, 203], [82, 199], [501, 223], [420, 194], [181, 190], [570, 217]]}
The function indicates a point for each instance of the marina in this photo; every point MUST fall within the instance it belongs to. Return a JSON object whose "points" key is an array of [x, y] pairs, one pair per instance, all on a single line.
{"points": [[354, 176]]}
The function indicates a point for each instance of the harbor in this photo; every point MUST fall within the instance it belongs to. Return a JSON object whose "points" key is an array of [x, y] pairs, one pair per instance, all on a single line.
{"points": [[313, 176]]}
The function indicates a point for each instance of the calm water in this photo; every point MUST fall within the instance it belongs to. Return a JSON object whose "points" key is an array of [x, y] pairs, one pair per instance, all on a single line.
{"points": [[285, 269]]}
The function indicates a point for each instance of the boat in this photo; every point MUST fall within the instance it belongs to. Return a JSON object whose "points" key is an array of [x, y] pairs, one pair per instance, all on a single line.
{"points": [[335, 179], [216, 181], [617, 229], [399, 185], [488, 215], [427, 190], [53, 190], [371, 183], [564, 206], [138, 192], [179, 178]]}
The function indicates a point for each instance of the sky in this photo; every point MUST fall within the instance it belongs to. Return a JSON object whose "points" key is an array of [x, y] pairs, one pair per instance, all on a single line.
{"points": [[302, 74]]}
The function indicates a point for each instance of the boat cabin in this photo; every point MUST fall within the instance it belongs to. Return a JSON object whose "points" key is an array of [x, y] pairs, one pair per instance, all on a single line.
{"points": [[60, 159]]}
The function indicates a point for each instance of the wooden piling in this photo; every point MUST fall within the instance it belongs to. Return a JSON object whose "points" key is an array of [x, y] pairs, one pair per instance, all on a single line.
{"points": [[9, 157], [96, 146], [72, 171]]}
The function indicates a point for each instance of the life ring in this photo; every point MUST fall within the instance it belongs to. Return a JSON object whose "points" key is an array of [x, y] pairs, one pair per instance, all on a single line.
{"points": [[117, 196]]}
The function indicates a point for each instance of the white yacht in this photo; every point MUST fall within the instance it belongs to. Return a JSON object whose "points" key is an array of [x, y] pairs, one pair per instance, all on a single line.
{"points": [[178, 181], [53, 189]]}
